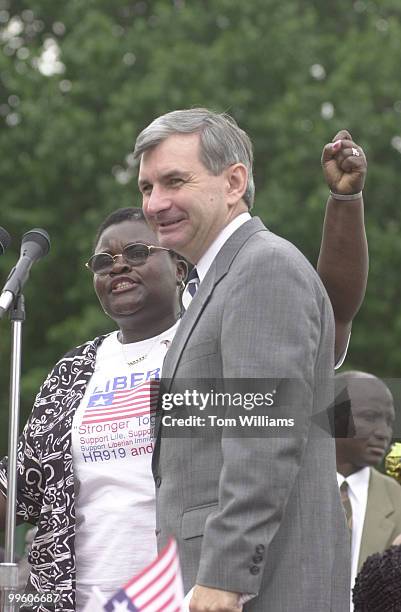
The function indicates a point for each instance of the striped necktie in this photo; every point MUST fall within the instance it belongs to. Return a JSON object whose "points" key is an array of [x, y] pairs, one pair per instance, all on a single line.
{"points": [[344, 488], [191, 288]]}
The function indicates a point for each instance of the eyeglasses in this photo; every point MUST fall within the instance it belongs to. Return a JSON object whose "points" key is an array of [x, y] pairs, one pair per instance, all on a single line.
{"points": [[133, 254]]}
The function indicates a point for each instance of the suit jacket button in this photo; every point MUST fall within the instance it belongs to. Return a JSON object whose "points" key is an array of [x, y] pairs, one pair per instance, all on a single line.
{"points": [[157, 531], [257, 558], [158, 481], [254, 569], [260, 549]]}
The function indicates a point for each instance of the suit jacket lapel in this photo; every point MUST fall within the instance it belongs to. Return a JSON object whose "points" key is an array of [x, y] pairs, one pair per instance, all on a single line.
{"points": [[378, 525]]}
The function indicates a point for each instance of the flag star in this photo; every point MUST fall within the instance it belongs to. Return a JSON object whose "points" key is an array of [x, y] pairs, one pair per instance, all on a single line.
{"points": [[99, 402], [120, 606]]}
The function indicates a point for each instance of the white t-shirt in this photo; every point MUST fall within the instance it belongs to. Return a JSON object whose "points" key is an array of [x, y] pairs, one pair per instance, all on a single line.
{"points": [[112, 445]]}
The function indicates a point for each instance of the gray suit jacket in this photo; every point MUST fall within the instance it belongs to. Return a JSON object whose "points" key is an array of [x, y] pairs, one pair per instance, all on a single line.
{"points": [[257, 515], [382, 522]]}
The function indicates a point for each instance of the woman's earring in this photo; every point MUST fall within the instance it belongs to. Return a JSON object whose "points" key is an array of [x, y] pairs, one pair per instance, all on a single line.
{"points": [[185, 272]]}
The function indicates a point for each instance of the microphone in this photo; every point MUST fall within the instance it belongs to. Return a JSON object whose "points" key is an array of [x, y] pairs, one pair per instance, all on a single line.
{"points": [[34, 245], [5, 240]]}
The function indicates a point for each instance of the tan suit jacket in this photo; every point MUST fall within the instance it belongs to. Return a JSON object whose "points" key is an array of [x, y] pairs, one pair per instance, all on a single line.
{"points": [[383, 515]]}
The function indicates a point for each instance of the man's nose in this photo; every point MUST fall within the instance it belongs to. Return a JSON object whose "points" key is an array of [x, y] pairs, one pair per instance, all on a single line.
{"points": [[157, 202], [383, 431]]}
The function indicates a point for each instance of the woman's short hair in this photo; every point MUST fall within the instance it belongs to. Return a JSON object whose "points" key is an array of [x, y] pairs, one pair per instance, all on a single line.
{"points": [[119, 216]]}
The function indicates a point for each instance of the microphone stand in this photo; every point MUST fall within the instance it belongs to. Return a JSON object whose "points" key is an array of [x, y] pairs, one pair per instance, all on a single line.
{"points": [[9, 569]]}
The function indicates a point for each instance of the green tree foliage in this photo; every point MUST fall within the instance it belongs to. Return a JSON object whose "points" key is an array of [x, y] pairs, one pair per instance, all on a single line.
{"points": [[79, 79]]}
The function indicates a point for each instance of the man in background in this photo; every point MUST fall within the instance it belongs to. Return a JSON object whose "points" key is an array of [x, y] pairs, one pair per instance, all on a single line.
{"points": [[372, 501]]}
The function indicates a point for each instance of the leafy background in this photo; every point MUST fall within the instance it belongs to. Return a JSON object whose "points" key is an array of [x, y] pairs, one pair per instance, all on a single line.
{"points": [[79, 79]]}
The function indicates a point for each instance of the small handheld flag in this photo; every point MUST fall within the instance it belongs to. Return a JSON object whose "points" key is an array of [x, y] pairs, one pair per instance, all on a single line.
{"points": [[158, 588]]}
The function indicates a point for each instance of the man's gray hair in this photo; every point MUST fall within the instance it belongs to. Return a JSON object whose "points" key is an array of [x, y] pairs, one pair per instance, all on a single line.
{"points": [[222, 142]]}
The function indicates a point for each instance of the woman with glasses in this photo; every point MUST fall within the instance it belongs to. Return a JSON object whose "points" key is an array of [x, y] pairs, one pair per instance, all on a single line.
{"points": [[84, 458]]}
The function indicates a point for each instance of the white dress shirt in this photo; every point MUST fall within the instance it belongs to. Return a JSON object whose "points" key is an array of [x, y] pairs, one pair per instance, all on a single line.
{"points": [[207, 258], [358, 485]]}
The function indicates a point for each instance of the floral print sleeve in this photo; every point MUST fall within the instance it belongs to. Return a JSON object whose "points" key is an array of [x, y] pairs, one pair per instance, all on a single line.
{"points": [[45, 485]]}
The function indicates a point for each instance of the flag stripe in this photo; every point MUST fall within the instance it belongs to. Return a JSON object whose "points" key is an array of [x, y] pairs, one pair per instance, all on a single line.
{"points": [[160, 582], [112, 408], [160, 595], [108, 410], [115, 418], [134, 395], [154, 568], [165, 606]]}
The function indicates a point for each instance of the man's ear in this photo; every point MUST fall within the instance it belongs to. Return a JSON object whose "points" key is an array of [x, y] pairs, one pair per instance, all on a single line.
{"points": [[237, 180]]}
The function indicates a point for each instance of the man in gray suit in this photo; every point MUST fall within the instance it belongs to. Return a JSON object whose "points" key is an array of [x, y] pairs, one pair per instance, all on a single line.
{"points": [[257, 519]]}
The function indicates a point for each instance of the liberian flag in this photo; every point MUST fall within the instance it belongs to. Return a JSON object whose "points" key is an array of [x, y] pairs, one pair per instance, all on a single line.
{"points": [[158, 588], [122, 404]]}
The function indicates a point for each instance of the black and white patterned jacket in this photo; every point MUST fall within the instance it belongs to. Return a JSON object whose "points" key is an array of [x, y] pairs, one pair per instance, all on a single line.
{"points": [[45, 489]]}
